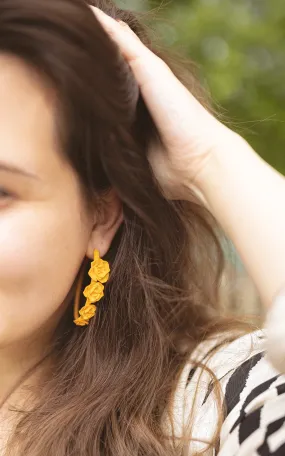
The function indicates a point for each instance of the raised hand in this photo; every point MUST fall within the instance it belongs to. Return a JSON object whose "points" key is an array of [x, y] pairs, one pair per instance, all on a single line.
{"points": [[190, 134]]}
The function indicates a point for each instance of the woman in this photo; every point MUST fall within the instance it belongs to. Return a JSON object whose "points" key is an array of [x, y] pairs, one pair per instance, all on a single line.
{"points": [[113, 178]]}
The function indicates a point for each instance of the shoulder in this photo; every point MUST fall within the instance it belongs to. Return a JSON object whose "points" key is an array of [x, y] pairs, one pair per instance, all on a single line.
{"points": [[251, 390], [228, 363], [254, 396]]}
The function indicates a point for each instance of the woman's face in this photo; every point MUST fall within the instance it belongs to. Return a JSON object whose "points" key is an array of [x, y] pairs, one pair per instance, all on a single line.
{"points": [[44, 231]]}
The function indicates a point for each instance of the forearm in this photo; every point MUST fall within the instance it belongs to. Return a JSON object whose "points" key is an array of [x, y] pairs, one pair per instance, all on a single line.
{"points": [[247, 197]]}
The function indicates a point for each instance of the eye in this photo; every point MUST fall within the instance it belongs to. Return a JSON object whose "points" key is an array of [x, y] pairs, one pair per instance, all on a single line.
{"points": [[5, 198], [4, 194]]}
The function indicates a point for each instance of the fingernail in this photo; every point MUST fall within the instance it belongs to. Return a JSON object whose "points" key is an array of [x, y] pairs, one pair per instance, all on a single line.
{"points": [[122, 23]]}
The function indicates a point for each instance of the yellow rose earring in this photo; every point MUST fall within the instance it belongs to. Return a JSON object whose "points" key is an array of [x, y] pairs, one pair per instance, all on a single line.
{"points": [[99, 273]]}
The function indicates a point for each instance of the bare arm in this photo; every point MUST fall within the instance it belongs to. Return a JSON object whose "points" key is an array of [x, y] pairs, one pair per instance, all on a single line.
{"points": [[243, 192], [247, 196]]}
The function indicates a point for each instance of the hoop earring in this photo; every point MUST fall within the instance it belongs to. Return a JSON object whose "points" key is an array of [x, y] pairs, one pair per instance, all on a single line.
{"points": [[99, 273]]}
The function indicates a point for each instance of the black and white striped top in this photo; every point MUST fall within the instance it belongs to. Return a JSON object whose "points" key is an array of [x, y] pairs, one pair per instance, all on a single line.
{"points": [[253, 394]]}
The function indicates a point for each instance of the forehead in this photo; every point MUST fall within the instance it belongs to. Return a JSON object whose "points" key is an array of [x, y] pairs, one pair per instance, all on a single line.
{"points": [[26, 115]]}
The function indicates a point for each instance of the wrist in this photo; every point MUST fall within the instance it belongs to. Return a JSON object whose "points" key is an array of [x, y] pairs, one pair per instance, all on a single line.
{"points": [[229, 156], [246, 196]]}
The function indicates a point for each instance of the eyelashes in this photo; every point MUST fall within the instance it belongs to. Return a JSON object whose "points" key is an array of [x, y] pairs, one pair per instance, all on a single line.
{"points": [[4, 193], [5, 196]]}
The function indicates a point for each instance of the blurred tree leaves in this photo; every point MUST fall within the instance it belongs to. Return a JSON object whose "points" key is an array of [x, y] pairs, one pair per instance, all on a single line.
{"points": [[239, 46]]}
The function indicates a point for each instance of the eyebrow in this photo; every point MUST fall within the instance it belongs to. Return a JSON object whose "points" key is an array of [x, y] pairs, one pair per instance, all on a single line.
{"points": [[14, 169]]}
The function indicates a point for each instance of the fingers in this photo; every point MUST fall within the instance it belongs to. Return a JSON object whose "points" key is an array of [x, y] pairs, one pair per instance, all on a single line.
{"points": [[143, 62], [128, 42], [171, 105]]}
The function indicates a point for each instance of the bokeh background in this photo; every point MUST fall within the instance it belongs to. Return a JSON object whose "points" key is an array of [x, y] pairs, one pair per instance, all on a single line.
{"points": [[239, 48]]}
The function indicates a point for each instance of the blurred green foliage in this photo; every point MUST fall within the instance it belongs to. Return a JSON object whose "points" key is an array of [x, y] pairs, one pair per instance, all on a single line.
{"points": [[239, 46]]}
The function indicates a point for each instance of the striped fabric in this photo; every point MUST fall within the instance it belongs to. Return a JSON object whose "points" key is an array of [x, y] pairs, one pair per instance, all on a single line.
{"points": [[255, 401], [254, 397]]}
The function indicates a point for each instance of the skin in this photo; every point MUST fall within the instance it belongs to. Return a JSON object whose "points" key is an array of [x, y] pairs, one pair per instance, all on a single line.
{"points": [[202, 155], [45, 232], [38, 253]]}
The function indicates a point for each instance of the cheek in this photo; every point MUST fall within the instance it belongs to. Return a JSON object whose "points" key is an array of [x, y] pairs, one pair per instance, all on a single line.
{"points": [[40, 253]]}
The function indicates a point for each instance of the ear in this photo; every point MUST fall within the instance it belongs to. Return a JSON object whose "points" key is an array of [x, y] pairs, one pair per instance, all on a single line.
{"points": [[108, 218]]}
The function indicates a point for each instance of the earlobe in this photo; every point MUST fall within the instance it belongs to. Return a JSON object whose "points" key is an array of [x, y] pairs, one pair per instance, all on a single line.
{"points": [[105, 230]]}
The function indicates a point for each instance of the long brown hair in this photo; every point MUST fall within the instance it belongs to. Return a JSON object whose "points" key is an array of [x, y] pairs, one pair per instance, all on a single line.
{"points": [[112, 381]]}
